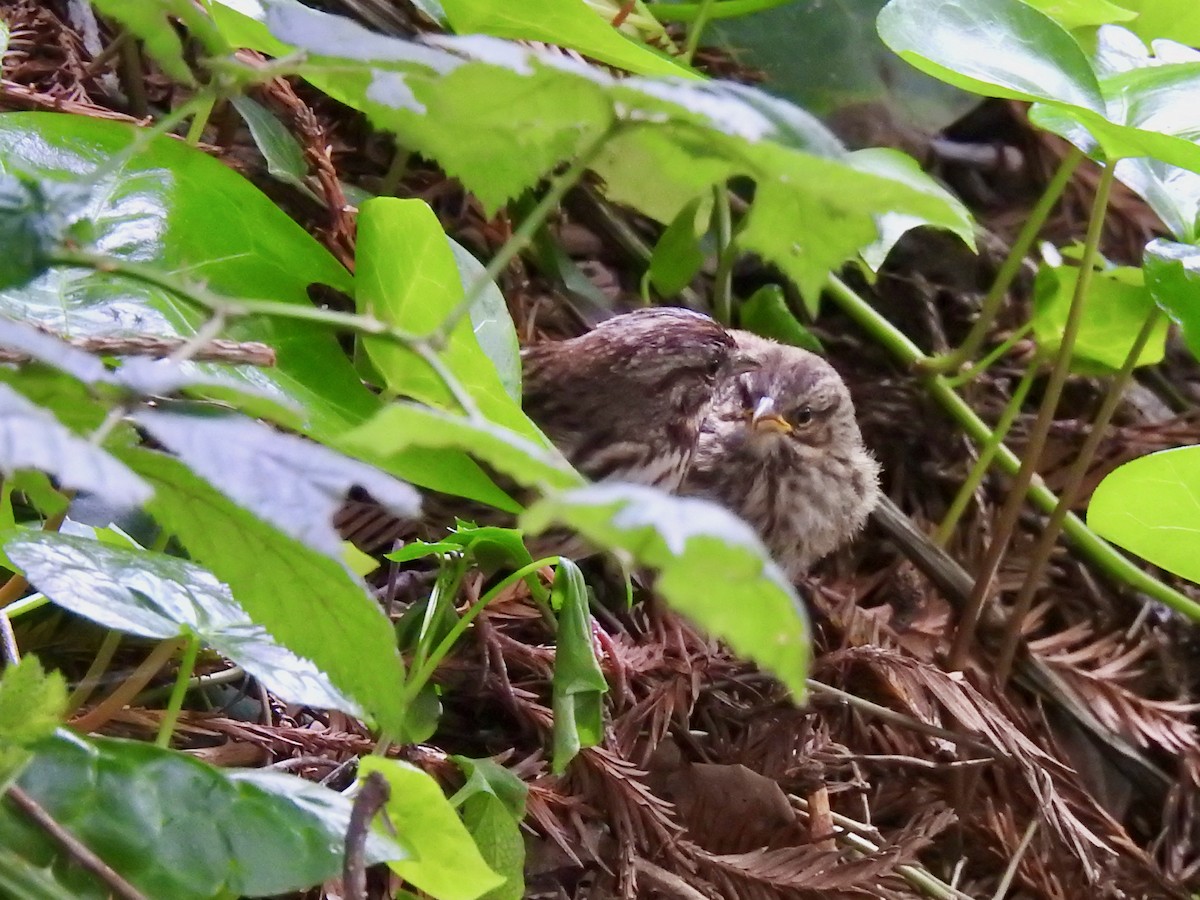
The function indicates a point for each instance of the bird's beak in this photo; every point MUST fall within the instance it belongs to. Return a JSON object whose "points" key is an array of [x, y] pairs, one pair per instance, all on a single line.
{"points": [[765, 418]]}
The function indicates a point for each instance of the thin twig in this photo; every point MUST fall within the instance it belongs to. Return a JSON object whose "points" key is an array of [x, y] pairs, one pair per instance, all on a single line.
{"points": [[77, 850], [1010, 512], [372, 797]]}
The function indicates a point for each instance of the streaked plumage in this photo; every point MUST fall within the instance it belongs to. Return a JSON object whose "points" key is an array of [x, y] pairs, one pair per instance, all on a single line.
{"points": [[781, 448]]}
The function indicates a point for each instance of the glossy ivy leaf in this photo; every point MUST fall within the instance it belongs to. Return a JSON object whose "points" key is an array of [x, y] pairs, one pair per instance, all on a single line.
{"points": [[1173, 193], [172, 206], [712, 567], [32, 438], [678, 256], [1149, 506], [1006, 48], [1116, 305], [305, 600], [401, 425], [766, 312], [669, 141], [176, 827], [1173, 278], [407, 277], [283, 154], [157, 596], [295, 485], [569, 24], [579, 685], [32, 704], [445, 862]]}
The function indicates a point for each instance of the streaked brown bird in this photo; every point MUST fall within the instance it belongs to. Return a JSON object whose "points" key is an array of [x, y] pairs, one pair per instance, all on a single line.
{"points": [[781, 448], [623, 401]]}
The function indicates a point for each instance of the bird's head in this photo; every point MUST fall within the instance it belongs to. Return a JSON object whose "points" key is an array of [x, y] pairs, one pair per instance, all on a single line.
{"points": [[786, 401]]}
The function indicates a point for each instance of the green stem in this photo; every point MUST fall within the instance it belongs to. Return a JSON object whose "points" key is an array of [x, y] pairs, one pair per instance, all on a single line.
{"points": [[424, 673], [187, 664], [1086, 542], [1070, 493], [696, 30], [955, 359], [987, 452], [726, 9], [200, 120], [970, 374], [1010, 512], [91, 678], [523, 236], [726, 256], [445, 589]]}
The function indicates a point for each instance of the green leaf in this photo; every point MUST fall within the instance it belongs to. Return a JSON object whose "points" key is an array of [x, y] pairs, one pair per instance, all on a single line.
{"points": [[1073, 14], [156, 596], [500, 117], [1008, 49], [1173, 193], [176, 827], [307, 601], [712, 566], [296, 485], [486, 776], [1004, 48], [678, 256], [20, 878], [23, 231], [493, 325], [401, 425], [498, 837], [1116, 305], [32, 703], [567, 23], [151, 22], [579, 685], [32, 438], [444, 861], [1149, 506], [1173, 278], [173, 207], [407, 277], [279, 147], [1178, 20], [46, 348], [767, 313]]}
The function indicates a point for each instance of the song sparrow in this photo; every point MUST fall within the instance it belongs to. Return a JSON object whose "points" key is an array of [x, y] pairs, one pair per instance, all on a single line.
{"points": [[781, 448], [623, 401]]}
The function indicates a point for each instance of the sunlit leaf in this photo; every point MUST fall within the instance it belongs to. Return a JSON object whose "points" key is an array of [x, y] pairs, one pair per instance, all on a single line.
{"points": [[157, 596], [445, 862], [151, 22], [1116, 305], [32, 704], [408, 277], [1151, 507], [712, 567]]}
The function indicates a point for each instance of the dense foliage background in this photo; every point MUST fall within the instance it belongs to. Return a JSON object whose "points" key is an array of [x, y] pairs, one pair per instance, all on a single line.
{"points": [[258, 257]]}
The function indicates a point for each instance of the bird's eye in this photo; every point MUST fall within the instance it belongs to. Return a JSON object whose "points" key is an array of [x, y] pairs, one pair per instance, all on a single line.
{"points": [[802, 416], [712, 367]]}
